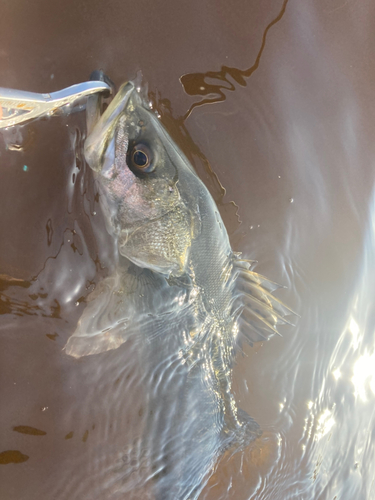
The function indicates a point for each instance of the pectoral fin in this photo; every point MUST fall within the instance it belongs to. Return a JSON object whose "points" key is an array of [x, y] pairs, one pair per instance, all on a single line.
{"points": [[133, 302], [103, 323]]}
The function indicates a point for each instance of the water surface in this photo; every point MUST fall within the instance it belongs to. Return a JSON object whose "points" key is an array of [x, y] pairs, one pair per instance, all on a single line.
{"points": [[283, 137]]}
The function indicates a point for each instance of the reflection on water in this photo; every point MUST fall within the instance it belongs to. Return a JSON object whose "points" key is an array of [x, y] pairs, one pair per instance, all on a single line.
{"points": [[352, 387], [363, 375], [206, 84], [301, 129]]}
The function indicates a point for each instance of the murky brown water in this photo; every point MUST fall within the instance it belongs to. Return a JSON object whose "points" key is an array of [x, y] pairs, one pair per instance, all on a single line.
{"points": [[286, 120]]}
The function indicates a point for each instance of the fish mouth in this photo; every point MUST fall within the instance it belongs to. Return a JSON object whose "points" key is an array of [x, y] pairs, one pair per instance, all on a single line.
{"points": [[103, 131]]}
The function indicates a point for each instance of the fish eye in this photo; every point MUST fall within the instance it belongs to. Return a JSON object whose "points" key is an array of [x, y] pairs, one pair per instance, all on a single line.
{"points": [[142, 158]]}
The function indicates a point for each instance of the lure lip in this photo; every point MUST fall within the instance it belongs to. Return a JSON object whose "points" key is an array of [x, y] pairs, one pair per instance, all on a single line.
{"points": [[103, 131], [21, 106]]}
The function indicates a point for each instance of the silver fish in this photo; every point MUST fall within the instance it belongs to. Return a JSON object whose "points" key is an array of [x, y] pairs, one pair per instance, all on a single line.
{"points": [[179, 285]]}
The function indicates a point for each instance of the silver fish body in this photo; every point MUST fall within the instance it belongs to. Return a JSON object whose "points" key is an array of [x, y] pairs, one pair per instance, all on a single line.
{"points": [[179, 287]]}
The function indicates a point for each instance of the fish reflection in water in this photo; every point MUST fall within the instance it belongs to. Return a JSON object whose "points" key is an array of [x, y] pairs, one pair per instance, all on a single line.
{"points": [[178, 287]]}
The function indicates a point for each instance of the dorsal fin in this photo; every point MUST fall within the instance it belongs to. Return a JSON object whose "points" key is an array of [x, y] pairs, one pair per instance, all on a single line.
{"points": [[259, 313]]}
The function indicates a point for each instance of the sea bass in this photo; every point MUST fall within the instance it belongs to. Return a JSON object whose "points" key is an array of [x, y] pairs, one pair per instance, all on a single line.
{"points": [[179, 286]]}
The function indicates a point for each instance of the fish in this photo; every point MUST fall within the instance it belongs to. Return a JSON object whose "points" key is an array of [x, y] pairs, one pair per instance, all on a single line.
{"points": [[179, 287]]}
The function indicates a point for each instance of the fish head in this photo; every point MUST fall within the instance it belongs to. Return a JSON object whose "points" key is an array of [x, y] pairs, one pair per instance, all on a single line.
{"points": [[139, 173]]}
